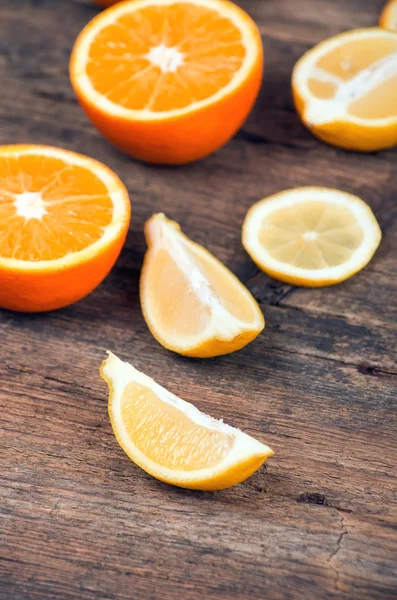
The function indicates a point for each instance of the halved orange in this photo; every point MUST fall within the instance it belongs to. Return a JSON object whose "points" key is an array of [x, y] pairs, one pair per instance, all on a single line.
{"points": [[170, 81], [192, 303], [345, 89], [171, 439], [388, 18], [63, 221]]}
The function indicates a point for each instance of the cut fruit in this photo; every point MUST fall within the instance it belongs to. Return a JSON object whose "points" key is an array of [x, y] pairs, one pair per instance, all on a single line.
{"points": [[192, 303], [311, 236], [168, 82], [388, 18], [63, 221], [171, 439], [345, 89]]}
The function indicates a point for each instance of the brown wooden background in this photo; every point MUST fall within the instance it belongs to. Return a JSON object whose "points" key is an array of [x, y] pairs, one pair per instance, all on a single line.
{"points": [[78, 520]]}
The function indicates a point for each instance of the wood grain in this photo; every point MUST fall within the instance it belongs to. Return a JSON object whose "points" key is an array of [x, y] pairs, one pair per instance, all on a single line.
{"points": [[79, 520]]}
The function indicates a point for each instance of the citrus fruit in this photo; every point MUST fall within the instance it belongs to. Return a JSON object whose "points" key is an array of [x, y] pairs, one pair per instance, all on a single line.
{"points": [[171, 439], [63, 222], [191, 302], [345, 89], [388, 18], [311, 236], [168, 82]]}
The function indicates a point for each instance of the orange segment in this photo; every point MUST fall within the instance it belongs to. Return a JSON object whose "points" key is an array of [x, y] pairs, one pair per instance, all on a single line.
{"points": [[192, 303], [60, 214], [154, 77], [47, 216], [388, 18], [159, 67], [345, 89], [171, 439]]}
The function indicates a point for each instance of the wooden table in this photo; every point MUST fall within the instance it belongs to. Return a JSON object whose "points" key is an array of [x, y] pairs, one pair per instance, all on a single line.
{"points": [[78, 520]]}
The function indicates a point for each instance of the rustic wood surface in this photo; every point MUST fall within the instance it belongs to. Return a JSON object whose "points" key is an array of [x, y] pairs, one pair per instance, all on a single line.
{"points": [[78, 520]]}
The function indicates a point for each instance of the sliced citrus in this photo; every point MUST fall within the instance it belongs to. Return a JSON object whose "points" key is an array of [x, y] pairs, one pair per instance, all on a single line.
{"points": [[171, 439], [345, 89], [170, 81], [388, 18], [192, 303], [63, 222], [311, 236]]}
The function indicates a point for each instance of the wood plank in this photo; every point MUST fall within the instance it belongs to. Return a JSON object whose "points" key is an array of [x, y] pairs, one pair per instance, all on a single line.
{"points": [[78, 519]]}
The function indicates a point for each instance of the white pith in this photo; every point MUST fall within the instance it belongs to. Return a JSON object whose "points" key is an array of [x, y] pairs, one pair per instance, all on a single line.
{"points": [[244, 447], [167, 59], [223, 325], [226, 9], [319, 111], [112, 184], [310, 236], [263, 209], [30, 205]]}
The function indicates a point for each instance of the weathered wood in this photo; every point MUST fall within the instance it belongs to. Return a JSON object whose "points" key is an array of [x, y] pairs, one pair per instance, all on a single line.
{"points": [[79, 520]]}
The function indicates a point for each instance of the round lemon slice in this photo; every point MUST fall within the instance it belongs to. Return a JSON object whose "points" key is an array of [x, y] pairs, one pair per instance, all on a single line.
{"points": [[311, 236], [171, 439]]}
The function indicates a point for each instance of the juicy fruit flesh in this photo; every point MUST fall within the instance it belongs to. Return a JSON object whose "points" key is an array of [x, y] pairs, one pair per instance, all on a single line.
{"points": [[48, 208], [177, 307], [162, 58], [226, 290], [361, 73], [311, 235], [167, 436]]}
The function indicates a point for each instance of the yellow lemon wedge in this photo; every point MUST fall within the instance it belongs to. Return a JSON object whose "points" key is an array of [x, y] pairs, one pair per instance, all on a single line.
{"points": [[388, 18], [192, 303], [345, 89], [311, 236], [171, 439]]}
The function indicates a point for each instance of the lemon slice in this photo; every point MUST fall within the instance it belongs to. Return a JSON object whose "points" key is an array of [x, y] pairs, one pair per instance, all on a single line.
{"points": [[311, 236], [345, 89], [388, 18], [171, 439], [192, 303]]}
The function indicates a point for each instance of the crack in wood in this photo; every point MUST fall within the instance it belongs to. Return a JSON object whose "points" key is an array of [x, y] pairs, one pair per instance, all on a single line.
{"points": [[335, 552], [258, 139], [56, 97], [23, 371], [369, 370]]}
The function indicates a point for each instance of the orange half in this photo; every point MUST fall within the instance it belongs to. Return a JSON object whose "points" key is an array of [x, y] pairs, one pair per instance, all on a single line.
{"points": [[169, 81], [63, 220]]}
